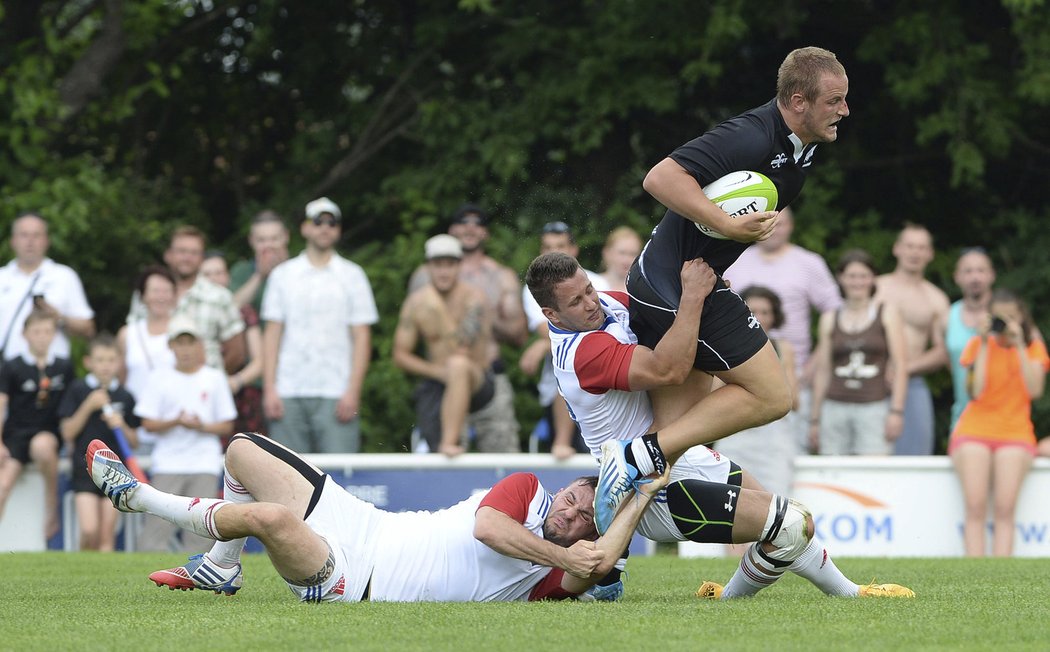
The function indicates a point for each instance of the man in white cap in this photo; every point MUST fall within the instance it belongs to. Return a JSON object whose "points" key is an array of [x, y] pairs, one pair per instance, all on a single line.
{"points": [[454, 321], [317, 342], [496, 425]]}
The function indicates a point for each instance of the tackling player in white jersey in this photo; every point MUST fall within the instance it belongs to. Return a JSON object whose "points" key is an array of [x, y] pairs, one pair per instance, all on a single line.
{"points": [[513, 542], [602, 372]]}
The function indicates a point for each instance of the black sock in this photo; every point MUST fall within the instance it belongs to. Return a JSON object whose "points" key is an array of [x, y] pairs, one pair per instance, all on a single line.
{"points": [[655, 452], [612, 578]]}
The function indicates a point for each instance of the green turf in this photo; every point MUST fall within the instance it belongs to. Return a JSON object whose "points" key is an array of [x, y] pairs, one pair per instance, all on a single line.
{"points": [[85, 601]]}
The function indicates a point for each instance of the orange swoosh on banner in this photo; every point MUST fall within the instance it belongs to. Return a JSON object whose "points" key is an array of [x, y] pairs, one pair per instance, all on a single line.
{"points": [[866, 501]]}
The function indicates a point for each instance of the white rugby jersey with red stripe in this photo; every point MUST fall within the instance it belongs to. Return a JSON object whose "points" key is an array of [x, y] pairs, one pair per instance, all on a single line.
{"points": [[591, 369], [433, 556]]}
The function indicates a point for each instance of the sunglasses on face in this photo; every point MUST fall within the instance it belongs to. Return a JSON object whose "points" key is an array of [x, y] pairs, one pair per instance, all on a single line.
{"points": [[326, 221]]}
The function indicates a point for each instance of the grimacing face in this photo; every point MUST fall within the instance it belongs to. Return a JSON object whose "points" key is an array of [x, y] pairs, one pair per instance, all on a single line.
{"points": [[571, 516]]}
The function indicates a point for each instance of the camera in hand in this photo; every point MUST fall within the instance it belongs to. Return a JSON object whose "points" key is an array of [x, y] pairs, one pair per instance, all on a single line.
{"points": [[998, 325]]}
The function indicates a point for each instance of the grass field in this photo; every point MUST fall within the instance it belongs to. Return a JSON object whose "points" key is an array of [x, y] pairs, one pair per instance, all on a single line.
{"points": [[86, 601]]}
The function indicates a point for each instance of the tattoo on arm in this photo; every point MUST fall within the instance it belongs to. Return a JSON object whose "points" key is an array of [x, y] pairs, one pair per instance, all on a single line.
{"points": [[470, 328], [320, 577]]}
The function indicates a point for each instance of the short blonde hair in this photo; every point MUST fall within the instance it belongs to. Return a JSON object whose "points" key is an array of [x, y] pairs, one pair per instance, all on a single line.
{"points": [[802, 70]]}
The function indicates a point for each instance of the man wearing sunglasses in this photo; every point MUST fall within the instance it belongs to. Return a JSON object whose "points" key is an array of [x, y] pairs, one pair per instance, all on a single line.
{"points": [[317, 341]]}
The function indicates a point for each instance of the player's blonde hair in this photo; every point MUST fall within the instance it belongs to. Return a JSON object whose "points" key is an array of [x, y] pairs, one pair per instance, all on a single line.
{"points": [[802, 70]]}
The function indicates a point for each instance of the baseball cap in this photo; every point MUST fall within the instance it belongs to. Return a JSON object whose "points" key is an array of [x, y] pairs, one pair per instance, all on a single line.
{"points": [[323, 205], [183, 325], [443, 246], [556, 227], [470, 210]]}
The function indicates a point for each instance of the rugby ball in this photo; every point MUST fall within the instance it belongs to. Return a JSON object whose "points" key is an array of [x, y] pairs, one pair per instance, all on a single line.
{"points": [[740, 193]]}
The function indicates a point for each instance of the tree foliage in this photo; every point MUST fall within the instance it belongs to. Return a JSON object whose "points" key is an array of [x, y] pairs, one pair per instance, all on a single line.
{"points": [[124, 118]]}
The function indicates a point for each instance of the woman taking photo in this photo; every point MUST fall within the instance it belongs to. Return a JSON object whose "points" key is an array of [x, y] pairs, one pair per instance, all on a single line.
{"points": [[993, 443]]}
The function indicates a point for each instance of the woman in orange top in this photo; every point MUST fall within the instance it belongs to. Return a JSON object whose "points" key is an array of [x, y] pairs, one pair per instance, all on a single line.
{"points": [[993, 443]]}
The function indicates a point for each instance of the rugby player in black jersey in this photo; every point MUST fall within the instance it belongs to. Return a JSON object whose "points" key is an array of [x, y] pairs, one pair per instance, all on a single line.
{"points": [[777, 139]]}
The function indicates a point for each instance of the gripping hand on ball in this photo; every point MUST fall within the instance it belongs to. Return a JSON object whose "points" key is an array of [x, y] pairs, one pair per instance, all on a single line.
{"points": [[752, 227]]}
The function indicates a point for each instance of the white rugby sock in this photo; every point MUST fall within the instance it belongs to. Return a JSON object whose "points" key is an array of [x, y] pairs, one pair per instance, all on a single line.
{"points": [[815, 565], [755, 573], [194, 514], [643, 461], [228, 553]]}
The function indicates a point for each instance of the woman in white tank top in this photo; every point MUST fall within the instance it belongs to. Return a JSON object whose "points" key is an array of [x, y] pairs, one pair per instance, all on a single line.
{"points": [[144, 342]]}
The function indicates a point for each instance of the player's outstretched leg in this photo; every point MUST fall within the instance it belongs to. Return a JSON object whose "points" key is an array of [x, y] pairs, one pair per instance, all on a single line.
{"points": [[129, 495], [200, 573], [194, 514], [788, 543]]}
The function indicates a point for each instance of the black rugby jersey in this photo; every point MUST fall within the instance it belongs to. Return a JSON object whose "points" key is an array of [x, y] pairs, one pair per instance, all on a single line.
{"points": [[33, 395], [758, 140]]}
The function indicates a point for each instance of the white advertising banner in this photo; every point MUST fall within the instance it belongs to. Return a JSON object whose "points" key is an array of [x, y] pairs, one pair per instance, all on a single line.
{"points": [[902, 507]]}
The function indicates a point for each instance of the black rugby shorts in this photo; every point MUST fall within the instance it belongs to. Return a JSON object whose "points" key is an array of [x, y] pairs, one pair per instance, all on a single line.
{"points": [[729, 334]]}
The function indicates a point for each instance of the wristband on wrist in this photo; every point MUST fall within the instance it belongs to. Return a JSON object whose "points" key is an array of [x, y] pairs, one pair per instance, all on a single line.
{"points": [[899, 411]]}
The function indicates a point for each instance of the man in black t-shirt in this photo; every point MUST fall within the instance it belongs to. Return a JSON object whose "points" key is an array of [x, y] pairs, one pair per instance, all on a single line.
{"points": [[777, 139]]}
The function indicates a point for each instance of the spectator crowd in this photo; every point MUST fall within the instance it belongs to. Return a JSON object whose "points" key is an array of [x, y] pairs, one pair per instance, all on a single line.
{"points": [[281, 344]]}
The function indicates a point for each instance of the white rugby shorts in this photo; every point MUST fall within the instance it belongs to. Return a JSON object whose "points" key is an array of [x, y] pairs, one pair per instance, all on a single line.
{"points": [[350, 526], [697, 463]]}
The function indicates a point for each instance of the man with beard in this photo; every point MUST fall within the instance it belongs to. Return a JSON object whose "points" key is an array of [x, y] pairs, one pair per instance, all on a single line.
{"points": [[513, 542], [208, 305]]}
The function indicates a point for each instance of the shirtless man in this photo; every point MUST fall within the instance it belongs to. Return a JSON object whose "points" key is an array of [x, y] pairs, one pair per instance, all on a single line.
{"points": [[454, 322], [496, 425], [924, 309]]}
